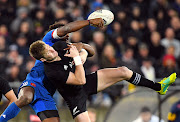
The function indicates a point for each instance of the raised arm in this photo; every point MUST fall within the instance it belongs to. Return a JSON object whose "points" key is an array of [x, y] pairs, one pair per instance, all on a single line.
{"points": [[77, 78], [77, 25]]}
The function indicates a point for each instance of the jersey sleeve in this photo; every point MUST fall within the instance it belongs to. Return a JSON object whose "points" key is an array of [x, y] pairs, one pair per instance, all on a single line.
{"points": [[4, 86], [50, 38]]}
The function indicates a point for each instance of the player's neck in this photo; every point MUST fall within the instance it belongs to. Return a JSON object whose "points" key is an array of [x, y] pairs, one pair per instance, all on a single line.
{"points": [[55, 59]]}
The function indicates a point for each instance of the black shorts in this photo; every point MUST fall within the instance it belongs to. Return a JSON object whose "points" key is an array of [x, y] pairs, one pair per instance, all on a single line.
{"points": [[77, 101], [47, 114]]}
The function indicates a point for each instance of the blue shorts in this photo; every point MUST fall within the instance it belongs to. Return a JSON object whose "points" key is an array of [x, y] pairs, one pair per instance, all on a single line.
{"points": [[42, 98]]}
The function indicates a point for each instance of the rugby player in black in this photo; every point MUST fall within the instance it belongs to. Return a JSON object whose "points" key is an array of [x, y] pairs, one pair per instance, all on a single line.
{"points": [[76, 87], [7, 91]]}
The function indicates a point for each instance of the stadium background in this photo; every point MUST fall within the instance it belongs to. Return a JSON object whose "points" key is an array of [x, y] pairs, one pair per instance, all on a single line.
{"points": [[144, 36]]}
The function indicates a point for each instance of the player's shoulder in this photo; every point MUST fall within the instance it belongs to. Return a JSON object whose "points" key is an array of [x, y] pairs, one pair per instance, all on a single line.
{"points": [[48, 35]]}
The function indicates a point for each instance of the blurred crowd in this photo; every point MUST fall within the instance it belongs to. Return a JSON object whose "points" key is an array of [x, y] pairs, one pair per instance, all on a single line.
{"points": [[144, 36]]}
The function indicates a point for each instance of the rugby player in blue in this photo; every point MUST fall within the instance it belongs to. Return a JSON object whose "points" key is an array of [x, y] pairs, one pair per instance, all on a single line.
{"points": [[36, 90]]}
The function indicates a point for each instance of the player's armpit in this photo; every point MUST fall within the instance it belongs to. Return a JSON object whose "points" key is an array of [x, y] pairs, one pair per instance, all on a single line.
{"points": [[171, 116], [73, 80]]}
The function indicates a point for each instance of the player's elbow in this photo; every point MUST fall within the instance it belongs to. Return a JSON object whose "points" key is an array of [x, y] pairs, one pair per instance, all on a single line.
{"points": [[82, 81], [92, 53]]}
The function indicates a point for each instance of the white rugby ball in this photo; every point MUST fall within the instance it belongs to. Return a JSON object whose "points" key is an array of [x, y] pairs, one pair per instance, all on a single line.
{"points": [[106, 15]]}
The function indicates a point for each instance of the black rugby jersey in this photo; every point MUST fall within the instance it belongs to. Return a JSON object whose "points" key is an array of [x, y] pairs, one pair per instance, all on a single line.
{"points": [[4, 87], [58, 71]]}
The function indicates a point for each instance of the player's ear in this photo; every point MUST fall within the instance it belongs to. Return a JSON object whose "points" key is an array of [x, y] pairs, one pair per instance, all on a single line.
{"points": [[43, 59]]}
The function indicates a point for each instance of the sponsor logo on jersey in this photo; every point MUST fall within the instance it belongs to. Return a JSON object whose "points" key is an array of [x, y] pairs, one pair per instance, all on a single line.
{"points": [[32, 84], [24, 84], [75, 111], [65, 67], [71, 64]]}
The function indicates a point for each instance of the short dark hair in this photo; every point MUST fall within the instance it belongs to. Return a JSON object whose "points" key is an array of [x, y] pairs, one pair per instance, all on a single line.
{"points": [[37, 49], [55, 25]]}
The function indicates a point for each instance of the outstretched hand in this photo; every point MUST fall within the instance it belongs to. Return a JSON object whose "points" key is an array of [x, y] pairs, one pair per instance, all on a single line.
{"points": [[97, 22]]}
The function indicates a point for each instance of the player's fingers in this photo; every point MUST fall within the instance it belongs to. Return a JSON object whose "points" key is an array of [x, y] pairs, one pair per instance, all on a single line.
{"points": [[73, 47], [67, 55], [67, 48]]}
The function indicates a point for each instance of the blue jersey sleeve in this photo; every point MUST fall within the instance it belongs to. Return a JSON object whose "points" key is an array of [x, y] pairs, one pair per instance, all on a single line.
{"points": [[48, 38]]}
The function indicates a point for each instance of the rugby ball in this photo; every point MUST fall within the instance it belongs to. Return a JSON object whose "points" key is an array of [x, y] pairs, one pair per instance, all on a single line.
{"points": [[106, 15]]}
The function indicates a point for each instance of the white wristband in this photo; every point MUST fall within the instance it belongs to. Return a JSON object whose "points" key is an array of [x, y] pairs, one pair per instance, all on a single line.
{"points": [[77, 60], [83, 50]]}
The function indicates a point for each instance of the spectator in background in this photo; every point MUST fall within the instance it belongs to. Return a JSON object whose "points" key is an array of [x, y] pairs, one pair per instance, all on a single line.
{"points": [[13, 56], [26, 31], [128, 60], [148, 70], [132, 42], [136, 14], [39, 31], [108, 57], [135, 30], [41, 19], [169, 64], [143, 53], [7, 10], [26, 69], [3, 44], [115, 6], [57, 4], [176, 5], [41, 12], [98, 4], [147, 116], [123, 19], [151, 26], [21, 15], [24, 3], [143, 6], [170, 40], [98, 44], [76, 14], [117, 30], [22, 47], [156, 50], [174, 114], [77, 37], [175, 24], [3, 53], [3, 63], [118, 43], [171, 13], [59, 14], [84, 7], [4, 32], [162, 25], [13, 73], [158, 5]]}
